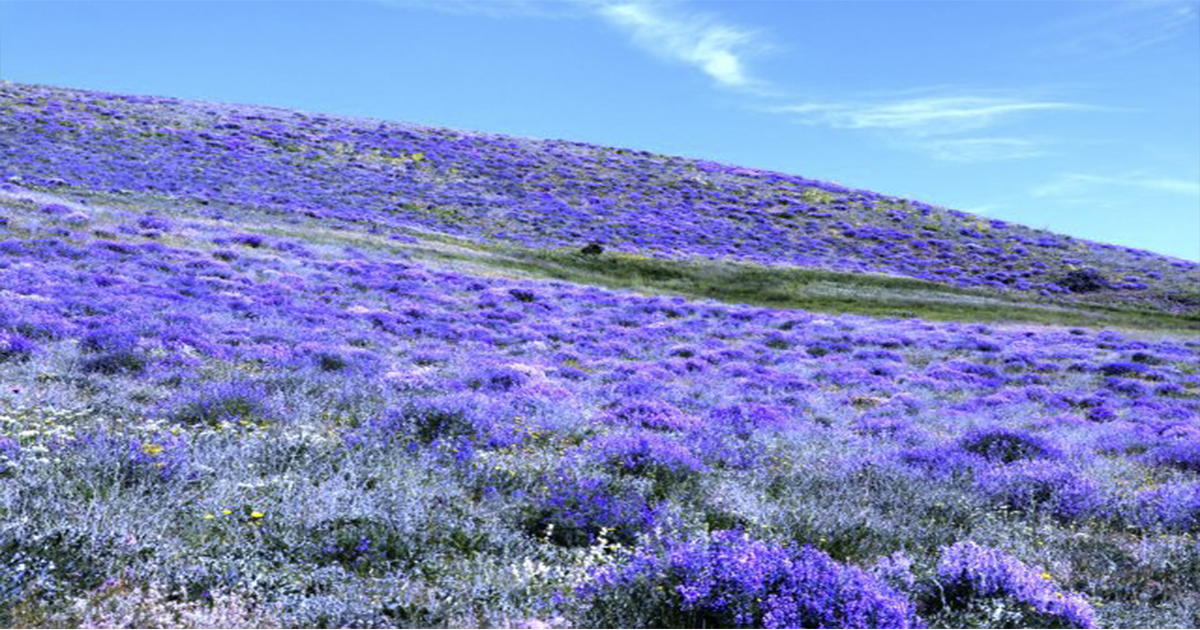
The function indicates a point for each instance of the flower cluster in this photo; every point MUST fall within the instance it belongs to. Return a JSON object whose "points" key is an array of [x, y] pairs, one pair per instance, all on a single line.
{"points": [[729, 579], [968, 572]]}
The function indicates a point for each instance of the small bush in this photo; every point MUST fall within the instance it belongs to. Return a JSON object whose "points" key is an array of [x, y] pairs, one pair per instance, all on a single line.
{"points": [[1040, 486], [731, 580], [648, 454], [1173, 507], [1003, 445], [496, 378], [651, 414], [15, 347], [235, 402], [575, 511], [1126, 368], [988, 588], [940, 461], [151, 222], [107, 340], [1180, 455], [1083, 281], [745, 419], [128, 362], [429, 420], [592, 249]]}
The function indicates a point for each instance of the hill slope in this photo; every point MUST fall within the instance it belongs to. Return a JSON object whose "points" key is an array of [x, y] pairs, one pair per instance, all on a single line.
{"points": [[243, 386], [548, 194]]}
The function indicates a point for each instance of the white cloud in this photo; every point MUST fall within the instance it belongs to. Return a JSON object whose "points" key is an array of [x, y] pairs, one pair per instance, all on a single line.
{"points": [[946, 123], [983, 149], [928, 116], [1083, 187], [716, 48], [945, 126], [1109, 29], [663, 28]]}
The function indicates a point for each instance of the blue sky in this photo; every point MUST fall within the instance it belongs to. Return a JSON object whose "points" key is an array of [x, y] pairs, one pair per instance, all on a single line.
{"points": [[1078, 117]]}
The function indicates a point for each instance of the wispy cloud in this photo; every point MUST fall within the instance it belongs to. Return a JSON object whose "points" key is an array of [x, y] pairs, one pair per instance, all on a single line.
{"points": [[670, 30], [716, 48], [928, 116], [1120, 28], [984, 149], [1082, 187], [946, 126], [946, 123]]}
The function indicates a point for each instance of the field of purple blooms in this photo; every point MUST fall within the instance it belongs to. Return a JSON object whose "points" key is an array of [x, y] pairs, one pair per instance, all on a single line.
{"points": [[546, 194], [260, 368]]}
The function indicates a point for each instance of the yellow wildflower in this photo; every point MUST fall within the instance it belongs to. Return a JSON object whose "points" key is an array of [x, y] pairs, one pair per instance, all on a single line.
{"points": [[152, 449]]}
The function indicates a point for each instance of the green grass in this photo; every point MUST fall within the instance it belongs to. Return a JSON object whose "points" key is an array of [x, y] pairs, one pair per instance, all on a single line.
{"points": [[775, 286], [816, 290]]}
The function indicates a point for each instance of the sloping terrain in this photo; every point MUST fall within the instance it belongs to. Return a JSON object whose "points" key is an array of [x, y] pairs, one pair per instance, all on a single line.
{"points": [[262, 368], [547, 194]]}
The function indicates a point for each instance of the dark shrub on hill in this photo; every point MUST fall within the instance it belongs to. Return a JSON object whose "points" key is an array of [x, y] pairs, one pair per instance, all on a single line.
{"points": [[125, 361], [999, 444], [592, 249], [107, 340], [1082, 281]]}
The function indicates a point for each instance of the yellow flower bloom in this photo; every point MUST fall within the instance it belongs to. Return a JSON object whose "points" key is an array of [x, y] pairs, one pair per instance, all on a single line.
{"points": [[257, 515], [152, 449], [1045, 576], [227, 512], [208, 517]]}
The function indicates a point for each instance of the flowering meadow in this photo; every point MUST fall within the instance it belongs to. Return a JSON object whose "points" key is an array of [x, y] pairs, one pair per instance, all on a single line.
{"points": [[261, 368]]}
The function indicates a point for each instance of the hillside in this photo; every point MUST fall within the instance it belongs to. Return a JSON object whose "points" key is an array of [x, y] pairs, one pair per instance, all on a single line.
{"points": [[263, 368], [380, 176]]}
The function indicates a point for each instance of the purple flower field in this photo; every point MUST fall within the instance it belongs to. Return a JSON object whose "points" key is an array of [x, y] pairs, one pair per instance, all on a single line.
{"points": [[261, 368]]}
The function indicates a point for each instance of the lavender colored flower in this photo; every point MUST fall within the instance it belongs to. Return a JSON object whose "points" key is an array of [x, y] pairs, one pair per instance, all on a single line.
{"points": [[496, 378], [941, 461], [575, 510], [1174, 507], [968, 572], [650, 414], [648, 453], [747, 418], [14, 346], [729, 579], [1040, 485], [1183, 455]]}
